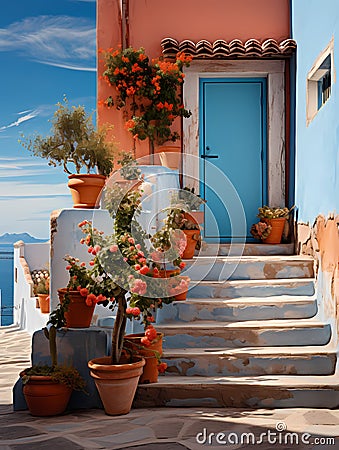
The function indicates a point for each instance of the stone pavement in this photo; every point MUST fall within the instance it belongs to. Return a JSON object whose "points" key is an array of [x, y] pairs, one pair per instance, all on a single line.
{"points": [[154, 429]]}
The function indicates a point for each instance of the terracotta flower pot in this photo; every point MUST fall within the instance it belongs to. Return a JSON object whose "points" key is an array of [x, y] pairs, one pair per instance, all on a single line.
{"points": [[79, 315], [191, 239], [150, 372], [86, 189], [116, 384], [195, 216], [44, 303], [45, 397], [275, 235]]}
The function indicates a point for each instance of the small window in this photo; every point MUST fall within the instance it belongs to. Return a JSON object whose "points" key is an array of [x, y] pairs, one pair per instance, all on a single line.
{"points": [[319, 83]]}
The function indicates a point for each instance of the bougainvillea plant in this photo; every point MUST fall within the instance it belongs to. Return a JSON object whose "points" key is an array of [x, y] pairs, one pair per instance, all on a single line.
{"points": [[149, 92], [120, 264]]}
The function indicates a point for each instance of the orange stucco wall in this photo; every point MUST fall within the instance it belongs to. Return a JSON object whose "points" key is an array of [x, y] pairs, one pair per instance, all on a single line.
{"points": [[152, 20]]}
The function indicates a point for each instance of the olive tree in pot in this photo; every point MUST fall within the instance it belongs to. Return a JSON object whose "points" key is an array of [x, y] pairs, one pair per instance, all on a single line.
{"points": [[77, 146]]}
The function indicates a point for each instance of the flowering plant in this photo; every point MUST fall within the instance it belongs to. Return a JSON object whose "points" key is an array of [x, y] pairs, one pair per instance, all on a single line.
{"points": [[120, 264], [261, 230], [147, 90]]}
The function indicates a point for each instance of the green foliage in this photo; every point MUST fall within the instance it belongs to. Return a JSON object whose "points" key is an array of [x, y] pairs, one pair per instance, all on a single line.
{"points": [[129, 166], [68, 376], [42, 287], [73, 141], [267, 212]]}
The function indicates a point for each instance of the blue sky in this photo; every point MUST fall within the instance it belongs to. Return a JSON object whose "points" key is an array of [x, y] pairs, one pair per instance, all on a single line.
{"points": [[47, 50]]}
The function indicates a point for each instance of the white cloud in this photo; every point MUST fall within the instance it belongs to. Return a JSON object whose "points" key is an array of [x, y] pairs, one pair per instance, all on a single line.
{"points": [[20, 189], [20, 120], [54, 40]]}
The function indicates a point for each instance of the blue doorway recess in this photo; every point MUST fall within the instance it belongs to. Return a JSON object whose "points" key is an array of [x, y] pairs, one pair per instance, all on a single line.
{"points": [[233, 160]]}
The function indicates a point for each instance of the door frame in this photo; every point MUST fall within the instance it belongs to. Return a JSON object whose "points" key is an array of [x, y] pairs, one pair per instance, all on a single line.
{"points": [[274, 72]]}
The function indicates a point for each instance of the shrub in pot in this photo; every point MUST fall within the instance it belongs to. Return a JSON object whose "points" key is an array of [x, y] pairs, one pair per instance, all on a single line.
{"points": [[271, 225], [78, 147], [47, 389], [121, 264]]}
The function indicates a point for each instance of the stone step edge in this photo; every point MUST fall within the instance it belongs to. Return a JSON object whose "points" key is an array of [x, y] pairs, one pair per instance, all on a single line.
{"points": [[274, 300], [255, 258], [261, 352], [279, 381], [268, 282], [247, 324]]}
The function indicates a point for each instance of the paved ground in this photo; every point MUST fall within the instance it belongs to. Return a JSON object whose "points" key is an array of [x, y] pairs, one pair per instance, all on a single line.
{"points": [[154, 429]]}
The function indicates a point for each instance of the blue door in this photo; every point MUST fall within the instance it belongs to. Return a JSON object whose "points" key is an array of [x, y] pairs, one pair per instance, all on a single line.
{"points": [[233, 155]]}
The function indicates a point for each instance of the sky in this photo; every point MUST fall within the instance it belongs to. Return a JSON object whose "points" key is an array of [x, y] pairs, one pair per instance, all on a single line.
{"points": [[47, 50]]}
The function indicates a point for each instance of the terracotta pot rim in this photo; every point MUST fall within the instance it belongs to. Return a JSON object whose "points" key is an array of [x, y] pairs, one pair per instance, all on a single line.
{"points": [[87, 175], [103, 364], [141, 335]]}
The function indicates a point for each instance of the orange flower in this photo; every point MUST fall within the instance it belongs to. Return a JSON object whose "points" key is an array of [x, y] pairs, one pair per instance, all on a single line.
{"points": [[124, 59], [142, 57], [129, 124], [136, 68], [116, 71]]}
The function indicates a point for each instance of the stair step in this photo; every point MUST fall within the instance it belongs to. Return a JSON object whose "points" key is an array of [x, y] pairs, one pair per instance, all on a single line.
{"points": [[270, 391], [250, 249], [245, 334], [250, 361], [251, 288], [245, 308], [249, 267]]}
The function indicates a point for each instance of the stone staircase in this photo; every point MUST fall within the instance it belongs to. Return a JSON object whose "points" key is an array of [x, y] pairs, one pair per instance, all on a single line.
{"points": [[248, 335]]}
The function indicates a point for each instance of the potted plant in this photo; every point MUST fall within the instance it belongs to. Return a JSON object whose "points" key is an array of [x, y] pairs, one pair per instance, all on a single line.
{"points": [[40, 278], [271, 225], [121, 263], [42, 291], [149, 92], [47, 389], [77, 146]]}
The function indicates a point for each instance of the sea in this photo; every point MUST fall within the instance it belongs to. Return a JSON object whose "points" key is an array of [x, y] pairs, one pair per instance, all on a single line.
{"points": [[6, 284]]}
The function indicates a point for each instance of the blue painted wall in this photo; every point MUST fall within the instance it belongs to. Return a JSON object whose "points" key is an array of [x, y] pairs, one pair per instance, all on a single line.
{"points": [[314, 23]]}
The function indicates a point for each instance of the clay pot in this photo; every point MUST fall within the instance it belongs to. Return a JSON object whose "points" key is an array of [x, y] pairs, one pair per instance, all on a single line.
{"points": [[116, 384], [45, 397], [44, 303], [86, 189], [195, 216], [168, 273], [150, 371], [79, 315], [191, 242], [275, 235]]}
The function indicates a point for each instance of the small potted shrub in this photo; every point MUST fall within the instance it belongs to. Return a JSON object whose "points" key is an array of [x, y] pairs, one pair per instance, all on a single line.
{"points": [[47, 389], [40, 280], [78, 147], [271, 225]]}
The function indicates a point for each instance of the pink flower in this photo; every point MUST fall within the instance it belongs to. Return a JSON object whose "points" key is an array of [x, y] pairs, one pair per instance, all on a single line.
{"points": [[91, 263], [68, 267], [84, 292], [182, 265], [101, 298], [136, 311], [91, 300], [113, 248], [129, 310], [131, 240], [144, 270], [139, 287], [137, 267], [151, 332], [138, 246], [150, 319], [90, 249], [97, 248], [83, 264], [125, 259], [145, 341], [162, 367]]}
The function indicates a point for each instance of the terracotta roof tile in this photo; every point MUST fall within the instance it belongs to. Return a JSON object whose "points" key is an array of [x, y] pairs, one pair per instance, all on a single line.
{"points": [[221, 49]]}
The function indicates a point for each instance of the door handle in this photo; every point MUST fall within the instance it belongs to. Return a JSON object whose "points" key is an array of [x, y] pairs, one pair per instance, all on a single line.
{"points": [[209, 156]]}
